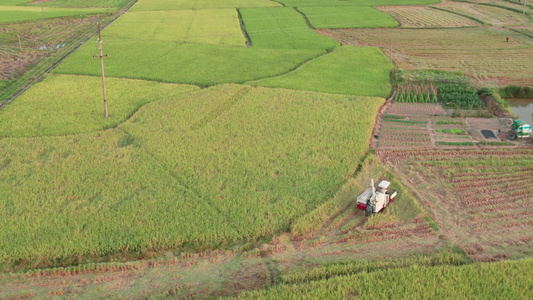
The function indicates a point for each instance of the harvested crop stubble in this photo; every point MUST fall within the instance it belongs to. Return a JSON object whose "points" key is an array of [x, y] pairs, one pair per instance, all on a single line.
{"points": [[282, 28], [210, 167], [480, 53], [421, 16], [184, 63], [66, 104], [489, 14], [347, 70], [488, 191], [347, 17], [209, 26]]}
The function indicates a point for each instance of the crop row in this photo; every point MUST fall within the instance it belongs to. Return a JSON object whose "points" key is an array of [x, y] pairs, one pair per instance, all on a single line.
{"points": [[421, 282]]}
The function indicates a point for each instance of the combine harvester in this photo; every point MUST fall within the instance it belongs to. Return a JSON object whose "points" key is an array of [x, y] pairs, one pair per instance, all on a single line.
{"points": [[372, 201], [519, 130]]}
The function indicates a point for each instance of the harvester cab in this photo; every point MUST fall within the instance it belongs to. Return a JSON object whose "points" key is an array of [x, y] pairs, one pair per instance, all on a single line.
{"points": [[519, 130], [373, 201]]}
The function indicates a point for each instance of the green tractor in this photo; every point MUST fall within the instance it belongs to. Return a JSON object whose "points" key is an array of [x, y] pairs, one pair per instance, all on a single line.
{"points": [[519, 130]]}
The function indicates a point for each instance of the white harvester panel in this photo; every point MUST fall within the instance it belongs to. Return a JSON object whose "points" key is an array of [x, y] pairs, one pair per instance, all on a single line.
{"points": [[373, 201]]}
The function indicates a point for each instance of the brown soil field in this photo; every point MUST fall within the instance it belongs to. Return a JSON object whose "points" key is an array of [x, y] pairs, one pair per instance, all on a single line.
{"points": [[480, 199], [481, 53]]}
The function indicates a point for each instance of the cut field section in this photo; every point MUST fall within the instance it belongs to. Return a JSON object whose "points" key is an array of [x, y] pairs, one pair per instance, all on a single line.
{"points": [[194, 171], [282, 28], [347, 70], [481, 53], [217, 27], [143, 5], [423, 16], [496, 16], [66, 104], [481, 199], [347, 17]]}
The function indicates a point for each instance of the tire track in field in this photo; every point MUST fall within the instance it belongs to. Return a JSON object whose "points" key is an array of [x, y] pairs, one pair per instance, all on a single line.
{"points": [[197, 194]]}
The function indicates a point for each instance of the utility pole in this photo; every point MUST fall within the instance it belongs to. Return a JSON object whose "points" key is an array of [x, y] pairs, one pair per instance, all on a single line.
{"points": [[20, 43], [42, 8], [524, 9], [102, 67], [390, 51]]}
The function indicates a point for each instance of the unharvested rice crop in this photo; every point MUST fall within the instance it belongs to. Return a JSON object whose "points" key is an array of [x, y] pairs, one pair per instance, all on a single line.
{"points": [[347, 70], [83, 3], [347, 17], [198, 170], [200, 4], [282, 28], [66, 104], [422, 16], [488, 280], [184, 63], [208, 26]]}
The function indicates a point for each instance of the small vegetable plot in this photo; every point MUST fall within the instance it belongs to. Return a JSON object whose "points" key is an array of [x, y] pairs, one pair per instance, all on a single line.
{"points": [[417, 109], [459, 95], [412, 92], [399, 132], [423, 16]]}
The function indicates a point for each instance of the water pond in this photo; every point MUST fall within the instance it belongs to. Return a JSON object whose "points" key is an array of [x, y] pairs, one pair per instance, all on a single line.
{"points": [[522, 108]]}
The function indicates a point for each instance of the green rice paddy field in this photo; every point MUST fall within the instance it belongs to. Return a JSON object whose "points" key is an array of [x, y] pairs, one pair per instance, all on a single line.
{"points": [[229, 121], [199, 169]]}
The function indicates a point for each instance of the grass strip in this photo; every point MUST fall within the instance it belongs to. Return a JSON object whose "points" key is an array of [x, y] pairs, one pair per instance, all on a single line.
{"points": [[494, 143], [404, 121], [456, 143], [452, 131]]}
